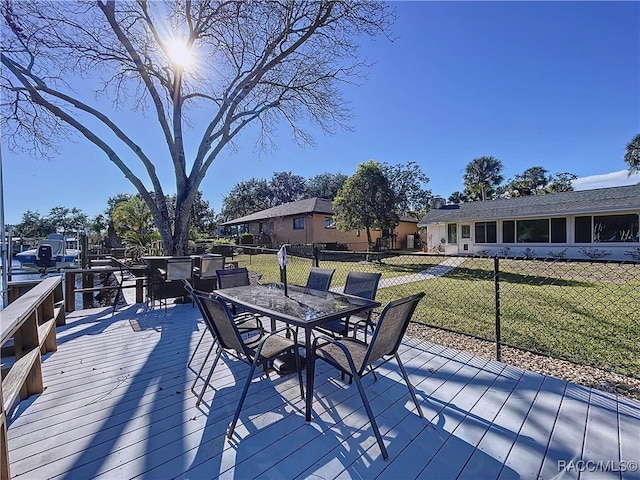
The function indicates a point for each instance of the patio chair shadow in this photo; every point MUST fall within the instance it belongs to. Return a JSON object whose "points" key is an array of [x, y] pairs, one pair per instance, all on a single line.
{"points": [[264, 406]]}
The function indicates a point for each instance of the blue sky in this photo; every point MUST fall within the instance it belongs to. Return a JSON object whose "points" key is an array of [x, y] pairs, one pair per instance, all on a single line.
{"points": [[551, 84]]}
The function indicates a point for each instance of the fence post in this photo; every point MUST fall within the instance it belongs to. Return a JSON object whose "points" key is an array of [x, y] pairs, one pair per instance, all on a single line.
{"points": [[496, 282], [316, 255]]}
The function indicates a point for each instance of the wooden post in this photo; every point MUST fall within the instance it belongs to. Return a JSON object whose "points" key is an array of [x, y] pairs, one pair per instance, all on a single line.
{"points": [[69, 296], [5, 473], [87, 297]]}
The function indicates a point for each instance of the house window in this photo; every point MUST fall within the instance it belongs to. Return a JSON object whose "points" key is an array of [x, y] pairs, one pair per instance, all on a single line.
{"points": [[486, 232], [583, 229], [452, 233], [615, 228], [465, 231], [329, 222], [509, 231], [532, 231], [298, 223], [559, 230], [607, 228]]}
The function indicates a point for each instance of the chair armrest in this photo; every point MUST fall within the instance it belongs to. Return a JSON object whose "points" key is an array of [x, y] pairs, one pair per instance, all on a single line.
{"points": [[244, 318], [363, 325]]}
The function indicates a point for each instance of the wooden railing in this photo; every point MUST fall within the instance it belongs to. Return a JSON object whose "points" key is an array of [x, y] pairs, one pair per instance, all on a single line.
{"points": [[27, 331], [87, 288]]}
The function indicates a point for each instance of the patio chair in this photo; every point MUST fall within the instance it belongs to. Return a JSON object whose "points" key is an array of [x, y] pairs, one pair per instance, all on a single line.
{"points": [[319, 278], [257, 350], [357, 358], [360, 284], [178, 268], [205, 270], [247, 324], [232, 277]]}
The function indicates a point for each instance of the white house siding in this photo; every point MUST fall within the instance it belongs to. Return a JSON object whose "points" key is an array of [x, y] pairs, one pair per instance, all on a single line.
{"points": [[623, 251]]}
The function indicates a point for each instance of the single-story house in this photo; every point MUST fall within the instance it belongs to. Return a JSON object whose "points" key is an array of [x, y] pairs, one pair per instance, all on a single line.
{"points": [[311, 221], [599, 223]]}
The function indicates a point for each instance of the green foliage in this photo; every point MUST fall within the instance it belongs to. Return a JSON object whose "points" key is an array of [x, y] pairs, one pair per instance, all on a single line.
{"points": [[33, 225], [63, 219], [534, 181], [285, 187], [530, 182], [632, 155], [133, 221], [481, 177], [246, 197], [366, 200], [560, 182], [408, 184], [325, 185], [457, 197]]}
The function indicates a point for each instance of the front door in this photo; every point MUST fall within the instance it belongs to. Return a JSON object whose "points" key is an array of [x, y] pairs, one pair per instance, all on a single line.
{"points": [[464, 239]]}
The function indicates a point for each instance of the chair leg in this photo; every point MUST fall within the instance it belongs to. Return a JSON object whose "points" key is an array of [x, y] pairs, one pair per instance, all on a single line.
{"points": [[203, 364], [372, 419], [299, 368], [197, 346], [409, 386], [213, 367], [115, 300], [311, 365], [232, 426]]}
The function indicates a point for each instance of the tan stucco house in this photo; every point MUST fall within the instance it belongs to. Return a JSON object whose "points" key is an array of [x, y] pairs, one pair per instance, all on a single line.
{"points": [[311, 221]]}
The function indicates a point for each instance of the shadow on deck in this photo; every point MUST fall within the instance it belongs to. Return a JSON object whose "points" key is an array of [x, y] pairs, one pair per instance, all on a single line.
{"points": [[117, 404]]}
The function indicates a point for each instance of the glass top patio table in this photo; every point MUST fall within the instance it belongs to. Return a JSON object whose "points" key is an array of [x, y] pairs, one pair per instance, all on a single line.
{"points": [[301, 307]]}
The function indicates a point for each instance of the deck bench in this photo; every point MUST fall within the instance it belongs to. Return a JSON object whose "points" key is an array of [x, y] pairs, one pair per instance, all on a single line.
{"points": [[27, 331]]}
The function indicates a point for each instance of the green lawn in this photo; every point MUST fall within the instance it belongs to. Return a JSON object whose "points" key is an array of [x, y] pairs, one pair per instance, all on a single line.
{"points": [[584, 312]]}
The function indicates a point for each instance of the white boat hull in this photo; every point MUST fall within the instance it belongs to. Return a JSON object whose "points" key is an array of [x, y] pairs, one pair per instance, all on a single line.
{"points": [[61, 257]]}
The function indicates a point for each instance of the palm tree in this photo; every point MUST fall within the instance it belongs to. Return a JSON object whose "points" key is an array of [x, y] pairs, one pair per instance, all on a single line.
{"points": [[482, 176], [632, 155], [457, 197]]}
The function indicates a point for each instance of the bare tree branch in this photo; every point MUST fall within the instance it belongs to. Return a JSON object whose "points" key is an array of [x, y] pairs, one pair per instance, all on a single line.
{"points": [[262, 62]]}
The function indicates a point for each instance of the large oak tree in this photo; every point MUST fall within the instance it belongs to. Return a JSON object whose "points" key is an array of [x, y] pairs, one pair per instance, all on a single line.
{"points": [[256, 62]]}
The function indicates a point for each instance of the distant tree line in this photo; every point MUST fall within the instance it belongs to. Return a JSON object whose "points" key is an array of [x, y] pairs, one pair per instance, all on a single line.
{"points": [[376, 196], [127, 218], [483, 178]]}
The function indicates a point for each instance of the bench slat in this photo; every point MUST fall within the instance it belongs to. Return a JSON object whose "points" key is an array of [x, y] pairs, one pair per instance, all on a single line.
{"points": [[47, 336], [28, 367]]}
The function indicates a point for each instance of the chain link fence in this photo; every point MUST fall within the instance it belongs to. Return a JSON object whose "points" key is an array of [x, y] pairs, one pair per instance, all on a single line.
{"points": [[583, 311]]}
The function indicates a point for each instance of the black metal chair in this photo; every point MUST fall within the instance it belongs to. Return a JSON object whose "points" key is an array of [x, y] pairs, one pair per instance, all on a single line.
{"points": [[232, 277], [360, 284], [358, 358], [247, 324], [320, 278], [257, 350], [205, 270], [177, 268]]}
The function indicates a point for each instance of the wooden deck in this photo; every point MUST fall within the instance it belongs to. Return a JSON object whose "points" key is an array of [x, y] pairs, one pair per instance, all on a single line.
{"points": [[117, 404]]}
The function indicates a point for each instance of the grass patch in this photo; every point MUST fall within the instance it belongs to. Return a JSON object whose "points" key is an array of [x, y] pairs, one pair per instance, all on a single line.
{"points": [[581, 311]]}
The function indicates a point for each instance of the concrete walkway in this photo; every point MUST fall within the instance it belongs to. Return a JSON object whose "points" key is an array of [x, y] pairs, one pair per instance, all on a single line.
{"points": [[427, 274]]}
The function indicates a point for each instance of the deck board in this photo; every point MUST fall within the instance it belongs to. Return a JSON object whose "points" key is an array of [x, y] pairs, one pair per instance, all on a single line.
{"points": [[118, 404]]}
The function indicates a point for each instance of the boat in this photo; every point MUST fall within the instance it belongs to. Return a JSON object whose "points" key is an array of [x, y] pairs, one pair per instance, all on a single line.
{"points": [[52, 253]]}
